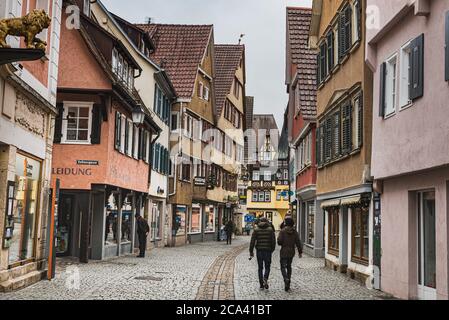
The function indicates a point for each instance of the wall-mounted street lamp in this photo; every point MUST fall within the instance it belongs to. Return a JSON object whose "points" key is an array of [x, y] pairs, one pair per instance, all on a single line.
{"points": [[138, 115]]}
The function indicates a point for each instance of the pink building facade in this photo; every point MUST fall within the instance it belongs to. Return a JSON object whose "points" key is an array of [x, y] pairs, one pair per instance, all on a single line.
{"points": [[406, 49]]}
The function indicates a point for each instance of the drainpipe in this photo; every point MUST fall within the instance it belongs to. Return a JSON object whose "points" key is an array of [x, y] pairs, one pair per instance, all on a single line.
{"points": [[179, 151]]}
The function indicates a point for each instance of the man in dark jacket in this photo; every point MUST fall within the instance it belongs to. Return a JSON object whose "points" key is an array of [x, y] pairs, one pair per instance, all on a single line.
{"points": [[142, 232], [264, 240], [229, 229], [288, 239]]}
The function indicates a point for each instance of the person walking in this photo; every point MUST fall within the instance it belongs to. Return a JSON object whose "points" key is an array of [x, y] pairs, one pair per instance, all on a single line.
{"points": [[288, 238], [143, 229], [264, 240], [229, 229]]}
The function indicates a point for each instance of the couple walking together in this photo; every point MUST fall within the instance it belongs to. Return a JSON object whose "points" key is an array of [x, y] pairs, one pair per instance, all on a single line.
{"points": [[264, 240]]}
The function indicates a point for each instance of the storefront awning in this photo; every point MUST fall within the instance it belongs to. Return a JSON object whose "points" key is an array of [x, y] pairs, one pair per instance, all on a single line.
{"points": [[330, 203], [351, 200]]}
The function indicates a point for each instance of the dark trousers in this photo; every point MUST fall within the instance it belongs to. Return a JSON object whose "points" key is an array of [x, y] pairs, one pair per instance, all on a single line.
{"points": [[264, 260], [142, 243], [286, 268], [229, 238]]}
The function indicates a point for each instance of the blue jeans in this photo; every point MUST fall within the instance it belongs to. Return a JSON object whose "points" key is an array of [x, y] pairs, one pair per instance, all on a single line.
{"points": [[264, 260]]}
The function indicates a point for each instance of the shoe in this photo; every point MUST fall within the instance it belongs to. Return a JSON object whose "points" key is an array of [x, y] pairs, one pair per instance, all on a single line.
{"points": [[265, 284], [287, 285], [262, 286]]}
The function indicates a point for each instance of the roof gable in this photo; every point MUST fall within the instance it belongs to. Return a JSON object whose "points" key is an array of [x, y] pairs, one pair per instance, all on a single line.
{"points": [[179, 49], [227, 61]]}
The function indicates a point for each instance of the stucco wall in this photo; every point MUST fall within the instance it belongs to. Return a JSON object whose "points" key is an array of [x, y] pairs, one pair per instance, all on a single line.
{"points": [[350, 171], [414, 138], [399, 235]]}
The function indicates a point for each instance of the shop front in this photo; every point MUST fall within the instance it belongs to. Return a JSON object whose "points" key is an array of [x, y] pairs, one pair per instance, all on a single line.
{"points": [[348, 235]]}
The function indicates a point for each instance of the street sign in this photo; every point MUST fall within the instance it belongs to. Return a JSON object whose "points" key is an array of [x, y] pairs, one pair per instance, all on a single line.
{"points": [[249, 218]]}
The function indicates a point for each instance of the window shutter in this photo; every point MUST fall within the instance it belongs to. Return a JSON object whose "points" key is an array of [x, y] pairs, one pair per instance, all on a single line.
{"points": [[328, 139], [348, 28], [118, 130], [360, 121], [336, 150], [383, 73], [58, 123], [318, 148], [446, 48], [347, 128], [140, 150], [359, 19], [95, 136], [341, 36], [330, 50], [417, 68], [155, 98]]}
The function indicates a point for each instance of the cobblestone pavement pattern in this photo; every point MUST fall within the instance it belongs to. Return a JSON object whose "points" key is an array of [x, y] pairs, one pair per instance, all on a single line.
{"points": [[210, 270]]}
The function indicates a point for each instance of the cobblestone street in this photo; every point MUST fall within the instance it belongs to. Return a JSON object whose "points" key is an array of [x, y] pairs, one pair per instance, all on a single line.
{"points": [[199, 271]]}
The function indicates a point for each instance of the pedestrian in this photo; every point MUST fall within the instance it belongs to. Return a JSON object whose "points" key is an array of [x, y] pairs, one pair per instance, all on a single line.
{"points": [[288, 238], [229, 229], [248, 229], [142, 232], [264, 240], [288, 215]]}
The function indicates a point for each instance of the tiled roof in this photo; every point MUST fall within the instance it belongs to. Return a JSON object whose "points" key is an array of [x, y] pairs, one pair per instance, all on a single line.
{"points": [[249, 110], [298, 25], [179, 50], [227, 60]]}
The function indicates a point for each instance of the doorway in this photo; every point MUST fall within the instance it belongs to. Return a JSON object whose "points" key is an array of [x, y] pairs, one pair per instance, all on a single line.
{"points": [[426, 246], [64, 225]]}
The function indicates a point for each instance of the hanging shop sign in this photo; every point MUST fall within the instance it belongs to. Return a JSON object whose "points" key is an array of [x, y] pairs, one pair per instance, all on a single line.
{"points": [[199, 181]]}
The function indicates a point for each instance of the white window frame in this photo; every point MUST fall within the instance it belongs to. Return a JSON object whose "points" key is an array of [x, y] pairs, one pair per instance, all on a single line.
{"points": [[76, 104], [256, 176], [43, 35], [148, 146], [122, 133], [267, 176], [201, 93], [355, 31], [130, 126], [206, 93], [404, 77], [391, 85], [188, 123]]}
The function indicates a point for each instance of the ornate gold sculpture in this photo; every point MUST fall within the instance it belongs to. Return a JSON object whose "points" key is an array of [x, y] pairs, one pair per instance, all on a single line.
{"points": [[28, 27]]}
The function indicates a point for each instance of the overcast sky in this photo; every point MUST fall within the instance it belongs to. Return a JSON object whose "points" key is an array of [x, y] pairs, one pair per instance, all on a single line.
{"points": [[262, 22]]}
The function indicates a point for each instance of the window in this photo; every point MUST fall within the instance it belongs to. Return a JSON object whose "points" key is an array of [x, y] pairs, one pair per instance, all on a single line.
{"points": [[285, 174], [186, 170], [346, 140], [200, 90], [209, 219], [411, 80], [77, 122], [228, 146], [336, 135], [404, 78], [357, 9], [255, 196], [267, 196], [206, 94], [188, 126], [43, 5], [278, 195], [261, 196], [360, 234], [174, 125], [267, 176], [23, 205], [122, 69], [323, 64], [237, 88], [358, 121], [330, 51], [346, 37], [333, 231], [256, 175], [310, 237], [197, 130], [390, 86], [195, 219]]}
